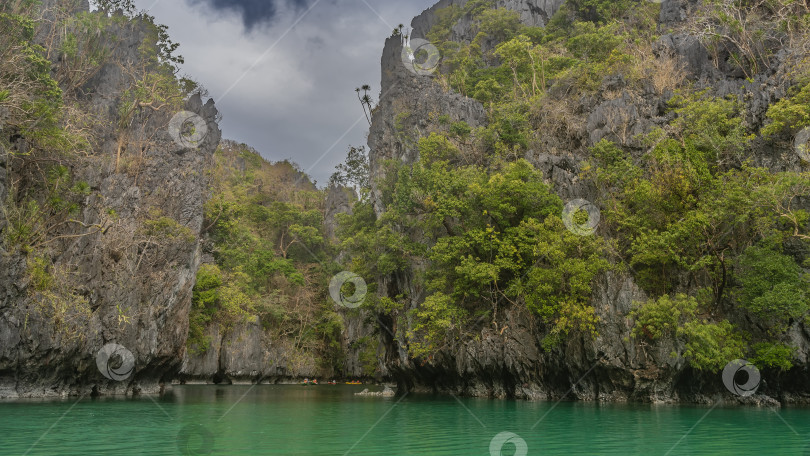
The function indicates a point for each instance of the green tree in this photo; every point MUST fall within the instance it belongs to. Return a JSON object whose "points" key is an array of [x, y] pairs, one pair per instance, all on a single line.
{"points": [[594, 43], [354, 171], [710, 346], [662, 317], [436, 320], [772, 286], [501, 23], [791, 113]]}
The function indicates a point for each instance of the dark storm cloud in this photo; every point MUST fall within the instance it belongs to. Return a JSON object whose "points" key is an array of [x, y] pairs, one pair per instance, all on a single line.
{"points": [[253, 12]]}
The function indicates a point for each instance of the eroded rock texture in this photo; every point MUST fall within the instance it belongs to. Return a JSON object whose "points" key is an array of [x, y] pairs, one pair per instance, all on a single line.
{"points": [[124, 270], [511, 362]]}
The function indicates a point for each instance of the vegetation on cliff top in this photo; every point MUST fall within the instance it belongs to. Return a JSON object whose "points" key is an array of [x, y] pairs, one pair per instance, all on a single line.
{"points": [[684, 207], [50, 131]]}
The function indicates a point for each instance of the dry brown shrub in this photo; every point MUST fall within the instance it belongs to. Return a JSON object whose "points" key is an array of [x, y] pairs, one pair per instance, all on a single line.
{"points": [[667, 73], [558, 125]]}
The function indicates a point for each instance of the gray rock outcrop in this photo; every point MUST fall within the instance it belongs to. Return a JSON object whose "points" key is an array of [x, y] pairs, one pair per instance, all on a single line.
{"points": [[511, 362], [122, 283]]}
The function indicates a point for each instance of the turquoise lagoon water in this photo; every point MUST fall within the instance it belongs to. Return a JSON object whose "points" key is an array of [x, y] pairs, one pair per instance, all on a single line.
{"points": [[331, 420]]}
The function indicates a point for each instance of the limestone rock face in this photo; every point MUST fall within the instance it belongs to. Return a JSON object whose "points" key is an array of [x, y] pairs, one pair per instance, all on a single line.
{"points": [[510, 361], [129, 287], [409, 102], [535, 13], [245, 354], [401, 117], [338, 201]]}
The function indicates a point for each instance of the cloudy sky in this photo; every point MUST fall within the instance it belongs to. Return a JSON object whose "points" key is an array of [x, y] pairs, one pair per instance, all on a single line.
{"points": [[283, 72]]}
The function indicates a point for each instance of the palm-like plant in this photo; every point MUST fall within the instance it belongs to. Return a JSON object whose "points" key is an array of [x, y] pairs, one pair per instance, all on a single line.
{"points": [[365, 101]]}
